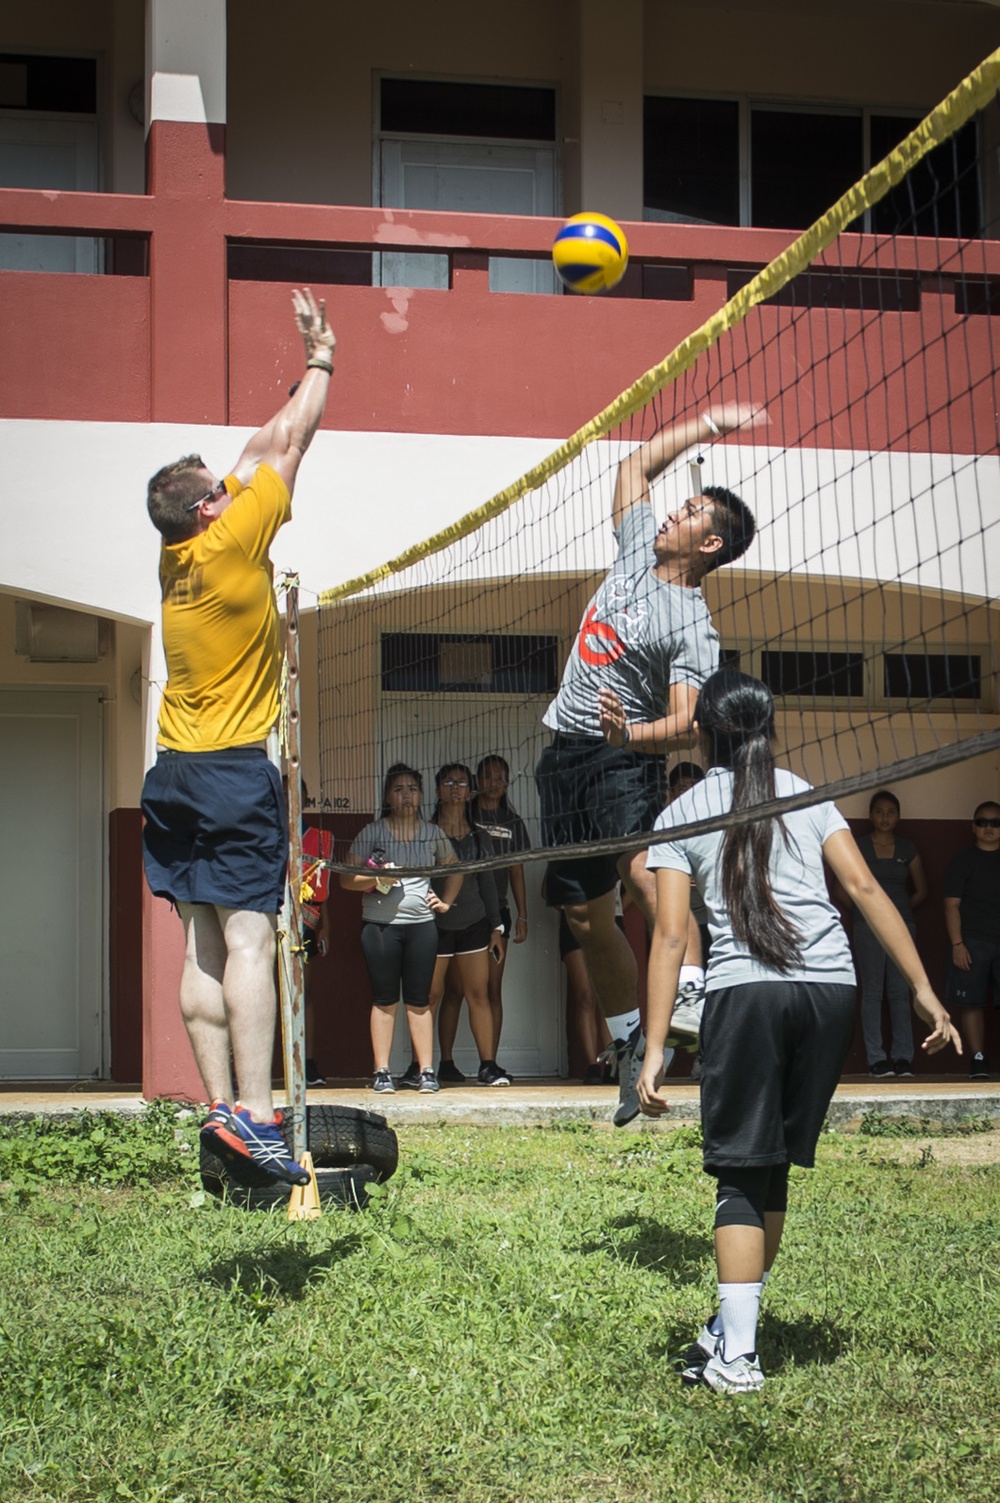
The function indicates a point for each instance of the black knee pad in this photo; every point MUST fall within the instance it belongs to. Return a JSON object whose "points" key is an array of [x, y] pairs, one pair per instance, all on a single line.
{"points": [[777, 1190], [742, 1197]]}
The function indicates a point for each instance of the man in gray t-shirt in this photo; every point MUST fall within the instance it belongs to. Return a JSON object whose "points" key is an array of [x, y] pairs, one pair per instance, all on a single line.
{"points": [[644, 648]]}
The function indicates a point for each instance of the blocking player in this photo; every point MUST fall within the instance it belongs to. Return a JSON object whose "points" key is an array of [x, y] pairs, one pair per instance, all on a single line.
{"points": [[215, 840], [645, 646]]}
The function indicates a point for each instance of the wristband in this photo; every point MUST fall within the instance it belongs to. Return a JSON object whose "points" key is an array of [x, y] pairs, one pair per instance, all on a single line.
{"points": [[711, 425], [319, 365], [628, 735]]}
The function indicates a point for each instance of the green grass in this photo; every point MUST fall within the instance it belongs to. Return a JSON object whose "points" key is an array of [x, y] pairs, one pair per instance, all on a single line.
{"points": [[498, 1326]]}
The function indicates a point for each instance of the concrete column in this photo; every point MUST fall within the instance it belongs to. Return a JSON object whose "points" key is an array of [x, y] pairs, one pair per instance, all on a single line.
{"points": [[611, 80], [186, 61]]}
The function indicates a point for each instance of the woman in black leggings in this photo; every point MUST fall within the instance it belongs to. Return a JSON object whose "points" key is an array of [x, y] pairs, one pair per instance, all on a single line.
{"points": [[398, 932]]}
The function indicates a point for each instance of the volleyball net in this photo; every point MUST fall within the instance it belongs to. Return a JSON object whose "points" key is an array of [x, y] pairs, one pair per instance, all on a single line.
{"points": [[865, 601]]}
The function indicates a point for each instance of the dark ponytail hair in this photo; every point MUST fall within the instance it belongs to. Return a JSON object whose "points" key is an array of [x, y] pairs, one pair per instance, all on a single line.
{"points": [[735, 715]]}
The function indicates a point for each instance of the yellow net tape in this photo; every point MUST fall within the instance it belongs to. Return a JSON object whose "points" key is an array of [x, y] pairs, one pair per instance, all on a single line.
{"points": [[971, 95]]}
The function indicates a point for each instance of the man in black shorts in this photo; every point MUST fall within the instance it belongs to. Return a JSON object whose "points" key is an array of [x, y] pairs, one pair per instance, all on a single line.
{"points": [[972, 917], [645, 646], [215, 840]]}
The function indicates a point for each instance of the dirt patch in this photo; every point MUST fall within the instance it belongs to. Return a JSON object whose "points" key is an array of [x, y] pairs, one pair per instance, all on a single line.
{"points": [[975, 1150]]}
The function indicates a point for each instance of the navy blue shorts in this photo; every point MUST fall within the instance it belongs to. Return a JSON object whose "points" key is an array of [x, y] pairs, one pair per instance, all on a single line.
{"points": [[590, 790], [216, 829]]}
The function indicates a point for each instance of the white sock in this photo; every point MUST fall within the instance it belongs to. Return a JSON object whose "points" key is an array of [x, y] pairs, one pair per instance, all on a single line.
{"points": [[738, 1307], [714, 1322], [623, 1025], [693, 973]]}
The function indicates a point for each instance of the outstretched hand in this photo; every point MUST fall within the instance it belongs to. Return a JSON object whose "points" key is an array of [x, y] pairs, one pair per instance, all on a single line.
{"points": [[943, 1031], [732, 415], [310, 317]]}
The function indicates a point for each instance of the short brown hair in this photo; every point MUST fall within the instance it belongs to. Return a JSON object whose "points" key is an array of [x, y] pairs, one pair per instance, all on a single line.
{"points": [[170, 495]]}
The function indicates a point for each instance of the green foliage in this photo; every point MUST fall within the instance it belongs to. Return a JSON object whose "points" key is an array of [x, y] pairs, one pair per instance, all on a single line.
{"points": [[875, 1124], [99, 1148], [501, 1326]]}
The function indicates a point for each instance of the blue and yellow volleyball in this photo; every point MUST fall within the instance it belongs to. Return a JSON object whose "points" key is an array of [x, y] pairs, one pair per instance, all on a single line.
{"points": [[590, 253]]}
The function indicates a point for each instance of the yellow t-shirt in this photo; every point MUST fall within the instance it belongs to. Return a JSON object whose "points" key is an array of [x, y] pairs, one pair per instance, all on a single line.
{"points": [[221, 630]]}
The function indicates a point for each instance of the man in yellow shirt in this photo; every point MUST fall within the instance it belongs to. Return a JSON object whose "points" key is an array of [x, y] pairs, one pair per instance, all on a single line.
{"points": [[215, 840]]}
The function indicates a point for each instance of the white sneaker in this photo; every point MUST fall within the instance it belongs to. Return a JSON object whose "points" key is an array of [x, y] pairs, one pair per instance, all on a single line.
{"points": [[742, 1375], [685, 1024], [630, 1057]]}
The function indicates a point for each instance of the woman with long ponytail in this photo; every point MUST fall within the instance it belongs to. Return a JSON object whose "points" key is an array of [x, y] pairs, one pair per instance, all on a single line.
{"points": [[779, 1010]]}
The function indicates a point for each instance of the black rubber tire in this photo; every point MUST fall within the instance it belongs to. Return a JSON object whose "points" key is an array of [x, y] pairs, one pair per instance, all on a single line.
{"points": [[340, 1136], [339, 1189]]}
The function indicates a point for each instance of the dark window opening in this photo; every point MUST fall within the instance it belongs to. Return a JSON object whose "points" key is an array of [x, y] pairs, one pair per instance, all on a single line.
{"points": [[299, 264], [800, 164], [940, 195], [423, 662], [501, 111], [814, 675], [946, 675], [871, 292], [691, 160], [50, 85]]}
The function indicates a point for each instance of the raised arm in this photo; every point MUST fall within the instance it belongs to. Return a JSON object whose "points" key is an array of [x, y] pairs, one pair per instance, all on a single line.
{"points": [[283, 441], [849, 866], [637, 473]]}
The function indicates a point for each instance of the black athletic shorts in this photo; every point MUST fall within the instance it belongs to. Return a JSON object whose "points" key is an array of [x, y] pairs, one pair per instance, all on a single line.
{"points": [[590, 790], [216, 830], [971, 988], [772, 1053], [468, 941]]}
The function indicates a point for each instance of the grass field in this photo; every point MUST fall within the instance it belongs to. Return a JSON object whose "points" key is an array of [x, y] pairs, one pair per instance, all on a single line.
{"points": [[500, 1325]]}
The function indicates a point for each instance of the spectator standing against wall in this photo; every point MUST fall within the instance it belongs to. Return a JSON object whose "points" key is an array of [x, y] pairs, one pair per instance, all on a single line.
{"points": [[972, 918]]}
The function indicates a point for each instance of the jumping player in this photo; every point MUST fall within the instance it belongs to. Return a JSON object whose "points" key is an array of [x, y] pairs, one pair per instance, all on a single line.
{"points": [[216, 832], [780, 1004], [645, 646]]}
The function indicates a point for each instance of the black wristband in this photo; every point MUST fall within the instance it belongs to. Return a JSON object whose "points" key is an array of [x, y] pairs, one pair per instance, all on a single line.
{"points": [[319, 365], [628, 735]]}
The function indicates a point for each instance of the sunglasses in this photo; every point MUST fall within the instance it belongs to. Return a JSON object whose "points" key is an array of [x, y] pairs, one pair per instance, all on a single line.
{"points": [[987, 824], [217, 490]]}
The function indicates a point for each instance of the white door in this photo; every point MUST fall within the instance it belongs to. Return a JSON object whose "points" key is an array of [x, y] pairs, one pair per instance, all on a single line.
{"points": [[467, 178], [51, 906], [48, 154], [426, 733]]}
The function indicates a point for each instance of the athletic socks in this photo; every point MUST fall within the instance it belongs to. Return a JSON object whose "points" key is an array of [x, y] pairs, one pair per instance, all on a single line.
{"points": [[622, 1026], [714, 1322], [738, 1308]]}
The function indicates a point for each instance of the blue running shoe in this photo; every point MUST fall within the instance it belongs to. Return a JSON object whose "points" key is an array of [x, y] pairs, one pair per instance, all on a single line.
{"points": [[249, 1148]]}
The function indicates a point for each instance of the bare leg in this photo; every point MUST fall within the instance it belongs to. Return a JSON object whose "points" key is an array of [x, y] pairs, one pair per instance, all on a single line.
{"points": [[420, 1021], [251, 1003], [583, 1004], [494, 983], [971, 1022], [203, 1006], [641, 885], [607, 952], [473, 976], [383, 1028], [449, 1008]]}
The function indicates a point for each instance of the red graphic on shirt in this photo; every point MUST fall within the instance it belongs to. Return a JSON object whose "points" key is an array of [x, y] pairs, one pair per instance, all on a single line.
{"points": [[594, 630]]}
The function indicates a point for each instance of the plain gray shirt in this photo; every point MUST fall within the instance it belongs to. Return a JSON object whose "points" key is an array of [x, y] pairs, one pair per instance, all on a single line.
{"points": [[797, 881], [638, 636]]}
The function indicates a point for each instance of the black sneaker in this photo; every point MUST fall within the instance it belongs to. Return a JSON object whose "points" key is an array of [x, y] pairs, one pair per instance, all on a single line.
{"points": [[979, 1069], [314, 1075], [594, 1075], [490, 1074], [449, 1073], [879, 1069], [902, 1069], [410, 1078]]}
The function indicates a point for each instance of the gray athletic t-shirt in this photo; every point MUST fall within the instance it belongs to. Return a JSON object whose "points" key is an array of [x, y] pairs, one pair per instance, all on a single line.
{"points": [[638, 636], [406, 902], [797, 882]]}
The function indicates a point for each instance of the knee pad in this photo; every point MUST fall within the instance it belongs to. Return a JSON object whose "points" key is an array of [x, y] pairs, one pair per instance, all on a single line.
{"points": [[777, 1190], [741, 1197]]}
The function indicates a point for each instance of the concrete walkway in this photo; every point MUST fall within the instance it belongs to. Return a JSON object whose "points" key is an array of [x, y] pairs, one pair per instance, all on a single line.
{"points": [[941, 1098]]}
